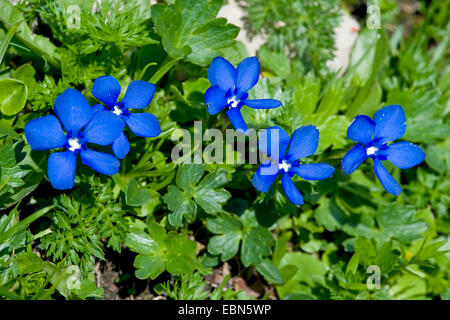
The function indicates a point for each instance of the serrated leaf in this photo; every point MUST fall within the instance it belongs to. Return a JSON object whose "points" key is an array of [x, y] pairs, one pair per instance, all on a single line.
{"points": [[135, 195], [269, 271], [299, 267], [13, 96], [189, 28], [141, 242], [148, 266], [180, 205], [11, 16], [226, 245]]}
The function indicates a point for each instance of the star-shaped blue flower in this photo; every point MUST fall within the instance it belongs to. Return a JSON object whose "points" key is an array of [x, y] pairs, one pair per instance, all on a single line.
{"points": [[139, 94], [388, 124], [274, 142], [229, 89], [82, 127]]}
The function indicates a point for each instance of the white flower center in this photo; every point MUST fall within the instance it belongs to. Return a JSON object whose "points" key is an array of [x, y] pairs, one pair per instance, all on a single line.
{"points": [[233, 102], [74, 144], [117, 111], [284, 166], [371, 150]]}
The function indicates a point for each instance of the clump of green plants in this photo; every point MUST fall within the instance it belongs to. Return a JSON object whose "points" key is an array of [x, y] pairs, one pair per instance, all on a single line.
{"points": [[111, 114]]}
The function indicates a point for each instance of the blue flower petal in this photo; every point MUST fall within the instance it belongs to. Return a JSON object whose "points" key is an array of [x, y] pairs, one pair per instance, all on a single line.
{"points": [[304, 142], [405, 154], [265, 176], [314, 171], [97, 108], [291, 190], [121, 146], [104, 128], [386, 179], [139, 95], [45, 133], [100, 162], [107, 90], [222, 73], [237, 120], [361, 129], [61, 169], [263, 103], [275, 149], [247, 74], [215, 100], [390, 123], [143, 124], [353, 159], [73, 110]]}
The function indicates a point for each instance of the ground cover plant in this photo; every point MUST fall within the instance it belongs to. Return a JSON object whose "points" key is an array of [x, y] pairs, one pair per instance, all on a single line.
{"points": [[118, 179]]}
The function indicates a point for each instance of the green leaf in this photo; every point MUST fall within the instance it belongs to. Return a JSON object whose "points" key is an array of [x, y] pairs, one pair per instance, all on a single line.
{"points": [[25, 73], [207, 194], [157, 232], [226, 243], [29, 262], [255, 246], [368, 54], [6, 41], [10, 16], [158, 252], [65, 279], [141, 242], [163, 70], [269, 271], [276, 62], [230, 230], [210, 198], [399, 222], [13, 96], [189, 28], [148, 266], [189, 175], [329, 215], [180, 254], [136, 196], [299, 267]]}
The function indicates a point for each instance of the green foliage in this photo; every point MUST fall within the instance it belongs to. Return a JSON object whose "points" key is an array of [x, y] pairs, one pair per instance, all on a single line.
{"points": [[194, 287], [185, 224], [302, 29], [19, 173], [158, 251], [190, 29], [13, 96], [230, 231], [182, 199]]}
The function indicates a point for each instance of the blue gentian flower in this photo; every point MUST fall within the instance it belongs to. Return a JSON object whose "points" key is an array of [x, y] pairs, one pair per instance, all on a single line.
{"points": [[388, 124], [82, 127], [229, 89], [139, 94], [274, 142]]}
